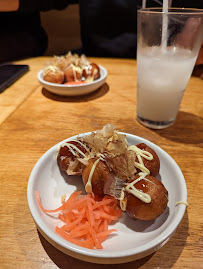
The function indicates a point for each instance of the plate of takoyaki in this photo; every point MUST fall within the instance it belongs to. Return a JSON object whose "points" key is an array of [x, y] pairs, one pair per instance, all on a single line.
{"points": [[146, 182], [72, 75]]}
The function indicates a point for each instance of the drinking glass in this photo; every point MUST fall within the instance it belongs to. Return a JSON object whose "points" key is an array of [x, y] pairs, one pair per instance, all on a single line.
{"points": [[168, 45]]}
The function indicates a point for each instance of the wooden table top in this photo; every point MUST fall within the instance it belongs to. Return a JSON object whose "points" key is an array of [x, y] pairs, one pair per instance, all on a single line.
{"points": [[32, 120]]}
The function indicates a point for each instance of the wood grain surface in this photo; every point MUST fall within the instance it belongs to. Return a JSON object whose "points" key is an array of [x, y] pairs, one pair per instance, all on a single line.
{"points": [[33, 120]]}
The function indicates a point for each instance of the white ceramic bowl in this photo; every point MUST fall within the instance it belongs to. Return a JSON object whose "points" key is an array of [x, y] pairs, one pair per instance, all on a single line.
{"points": [[74, 90], [135, 239]]}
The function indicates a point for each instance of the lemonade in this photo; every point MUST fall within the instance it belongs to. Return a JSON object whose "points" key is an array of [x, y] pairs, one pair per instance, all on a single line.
{"points": [[162, 78]]}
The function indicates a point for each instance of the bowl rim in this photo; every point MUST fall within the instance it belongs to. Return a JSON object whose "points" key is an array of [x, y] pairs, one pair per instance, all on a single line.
{"points": [[102, 77], [153, 244]]}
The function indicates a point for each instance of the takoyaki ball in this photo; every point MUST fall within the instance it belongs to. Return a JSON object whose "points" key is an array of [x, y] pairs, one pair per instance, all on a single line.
{"points": [[69, 162], [73, 74], [54, 75], [152, 165], [147, 211], [95, 70], [101, 174], [91, 71]]}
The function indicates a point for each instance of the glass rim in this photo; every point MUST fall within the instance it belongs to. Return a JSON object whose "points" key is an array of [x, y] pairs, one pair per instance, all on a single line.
{"points": [[172, 10]]}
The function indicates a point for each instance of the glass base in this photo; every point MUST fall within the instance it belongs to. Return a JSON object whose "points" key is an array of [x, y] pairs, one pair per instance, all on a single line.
{"points": [[154, 124]]}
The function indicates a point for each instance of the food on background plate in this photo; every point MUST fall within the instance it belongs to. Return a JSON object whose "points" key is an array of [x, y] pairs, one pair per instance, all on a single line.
{"points": [[70, 68], [53, 74], [109, 166]]}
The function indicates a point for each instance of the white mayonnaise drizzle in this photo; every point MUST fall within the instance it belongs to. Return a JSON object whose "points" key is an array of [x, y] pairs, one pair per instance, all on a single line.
{"points": [[139, 194], [76, 69], [141, 153], [52, 68], [71, 147], [182, 203], [79, 142], [88, 186]]}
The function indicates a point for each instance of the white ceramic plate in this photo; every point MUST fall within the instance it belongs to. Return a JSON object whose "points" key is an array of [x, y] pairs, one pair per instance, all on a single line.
{"points": [[74, 90], [135, 239]]}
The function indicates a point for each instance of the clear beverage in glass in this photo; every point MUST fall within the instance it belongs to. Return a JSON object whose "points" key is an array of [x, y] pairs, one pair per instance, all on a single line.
{"points": [[164, 65]]}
